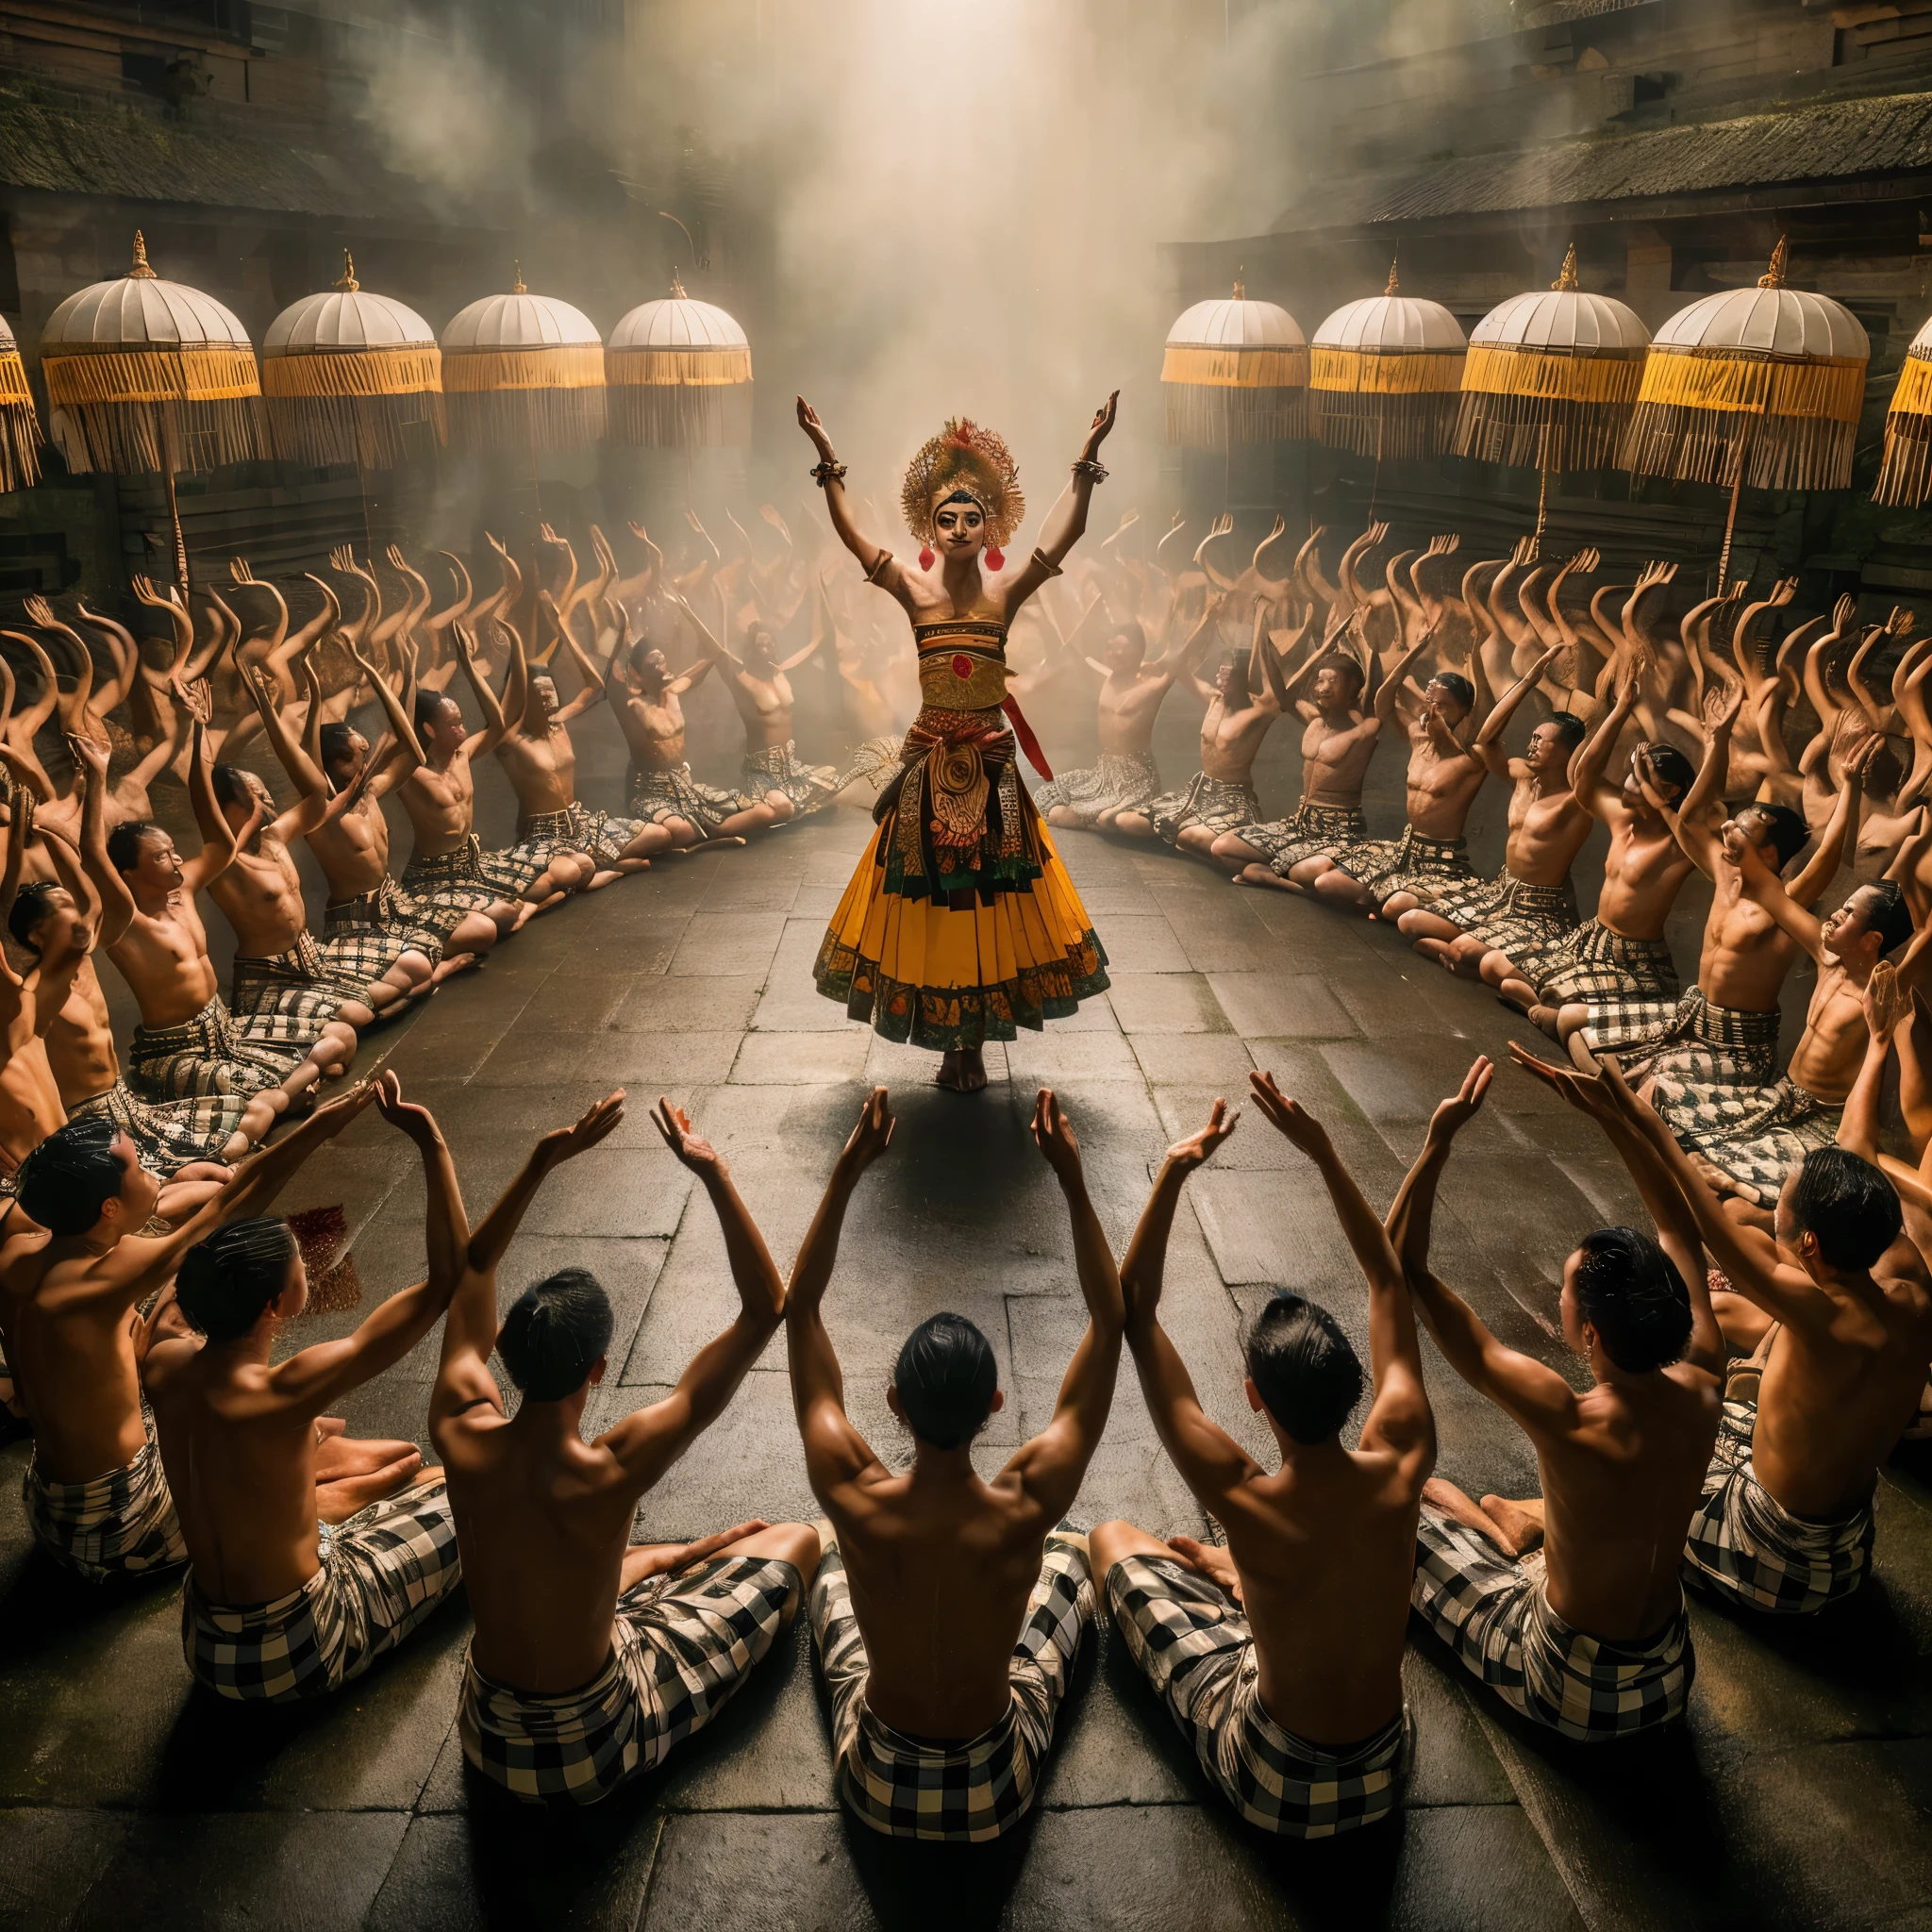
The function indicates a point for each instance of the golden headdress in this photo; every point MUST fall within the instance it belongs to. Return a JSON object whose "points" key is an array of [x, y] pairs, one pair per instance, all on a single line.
{"points": [[964, 458]]}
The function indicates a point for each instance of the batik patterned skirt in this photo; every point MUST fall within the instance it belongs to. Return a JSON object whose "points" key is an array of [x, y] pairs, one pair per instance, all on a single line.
{"points": [[778, 768], [364, 937], [1525, 922], [1313, 831], [211, 1055], [288, 999], [1597, 965], [114, 1526], [1386, 867], [169, 1135], [656, 797], [449, 885], [1119, 781], [1202, 801], [961, 923]]}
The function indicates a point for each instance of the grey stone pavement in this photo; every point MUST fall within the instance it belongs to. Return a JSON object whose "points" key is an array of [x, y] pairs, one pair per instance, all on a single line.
{"points": [[1796, 1793]]}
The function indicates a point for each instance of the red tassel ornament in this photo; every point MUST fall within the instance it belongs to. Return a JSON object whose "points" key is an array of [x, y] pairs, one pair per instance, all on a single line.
{"points": [[996, 558], [926, 559]]}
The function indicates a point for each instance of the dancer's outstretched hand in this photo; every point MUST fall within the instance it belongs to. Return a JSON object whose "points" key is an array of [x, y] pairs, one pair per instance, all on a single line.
{"points": [[683, 1141], [1198, 1147], [596, 1122], [872, 1136], [386, 1089], [1288, 1117], [1453, 1114], [1054, 1133]]}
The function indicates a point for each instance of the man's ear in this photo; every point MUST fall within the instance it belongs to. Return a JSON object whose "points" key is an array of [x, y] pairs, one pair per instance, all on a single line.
{"points": [[1253, 1394], [998, 1402], [597, 1369], [893, 1402]]}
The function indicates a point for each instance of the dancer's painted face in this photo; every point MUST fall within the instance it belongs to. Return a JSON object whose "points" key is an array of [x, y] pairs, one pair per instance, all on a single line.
{"points": [[960, 528]]}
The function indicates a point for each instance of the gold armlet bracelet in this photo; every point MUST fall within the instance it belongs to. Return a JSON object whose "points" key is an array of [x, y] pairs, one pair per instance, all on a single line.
{"points": [[1086, 466], [1052, 569], [823, 473], [879, 568]]}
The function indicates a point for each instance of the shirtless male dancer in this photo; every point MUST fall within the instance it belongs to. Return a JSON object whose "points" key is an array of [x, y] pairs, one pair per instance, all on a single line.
{"points": [[762, 693], [1588, 1635], [95, 1491], [369, 924], [1698, 1059], [1482, 929], [1131, 694], [945, 1641], [1280, 1656], [31, 1107], [1221, 794], [188, 1046], [567, 845], [662, 789], [1786, 1524], [279, 1608], [594, 1655], [61, 925], [444, 875]]}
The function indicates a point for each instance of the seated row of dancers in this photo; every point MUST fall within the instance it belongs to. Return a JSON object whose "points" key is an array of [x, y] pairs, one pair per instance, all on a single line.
{"points": [[88, 869], [948, 1610]]}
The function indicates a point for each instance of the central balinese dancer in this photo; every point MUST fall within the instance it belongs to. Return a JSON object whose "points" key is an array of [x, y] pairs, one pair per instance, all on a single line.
{"points": [[961, 923]]}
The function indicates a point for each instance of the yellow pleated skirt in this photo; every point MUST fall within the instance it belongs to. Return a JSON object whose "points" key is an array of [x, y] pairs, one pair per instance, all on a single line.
{"points": [[948, 968]]}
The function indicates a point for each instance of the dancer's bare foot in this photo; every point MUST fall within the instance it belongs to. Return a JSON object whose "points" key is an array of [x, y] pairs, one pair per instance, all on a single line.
{"points": [[1464, 1510], [454, 963], [1519, 1524], [963, 1069], [1262, 876], [338, 1500]]}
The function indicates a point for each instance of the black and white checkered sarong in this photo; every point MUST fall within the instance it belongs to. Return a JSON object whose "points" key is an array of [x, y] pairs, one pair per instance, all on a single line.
{"points": [[168, 1135], [207, 1055], [681, 1646], [1525, 922], [119, 1525], [446, 885], [1117, 781], [1748, 1547], [674, 793], [1408, 864], [1202, 801], [1492, 1612], [1596, 964], [383, 1572], [971, 1791], [1195, 1646], [1313, 831], [288, 999], [365, 936]]}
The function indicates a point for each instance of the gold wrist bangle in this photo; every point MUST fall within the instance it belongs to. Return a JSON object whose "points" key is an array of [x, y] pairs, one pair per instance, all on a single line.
{"points": [[1052, 569]]}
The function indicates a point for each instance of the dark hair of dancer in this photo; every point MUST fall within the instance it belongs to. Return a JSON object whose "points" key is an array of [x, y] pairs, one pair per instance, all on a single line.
{"points": [[946, 1379], [1844, 1201], [227, 1281], [335, 738], [1667, 764], [1887, 913], [1457, 686], [66, 1181], [429, 707], [28, 908], [1571, 729], [556, 1333], [1307, 1374], [231, 786], [1629, 1290], [1782, 828], [123, 843]]}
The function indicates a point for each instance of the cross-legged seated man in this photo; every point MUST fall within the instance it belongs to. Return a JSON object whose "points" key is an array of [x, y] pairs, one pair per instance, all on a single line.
{"points": [[1280, 1657], [948, 1611], [95, 1491], [1588, 1635], [592, 1655], [280, 1607], [1786, 1523]]}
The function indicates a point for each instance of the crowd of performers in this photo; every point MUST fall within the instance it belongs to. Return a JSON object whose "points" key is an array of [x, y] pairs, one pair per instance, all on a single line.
{"points": [[1751, 1363]]}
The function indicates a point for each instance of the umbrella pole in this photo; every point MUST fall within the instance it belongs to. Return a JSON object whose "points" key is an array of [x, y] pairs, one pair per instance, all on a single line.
{"points": [[1723, 560], [168, 458], [1542, 488]]}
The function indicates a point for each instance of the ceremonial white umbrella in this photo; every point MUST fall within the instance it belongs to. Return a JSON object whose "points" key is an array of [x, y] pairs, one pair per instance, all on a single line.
{"points": [[1236, 371], [523, 373], [1905, 476], [1384, 372], [679, 376], [347, 374], [20, 428]]}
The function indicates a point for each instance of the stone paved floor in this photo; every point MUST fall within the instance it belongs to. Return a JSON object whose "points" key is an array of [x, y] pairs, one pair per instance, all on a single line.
{"points": [[1796, 1795]]}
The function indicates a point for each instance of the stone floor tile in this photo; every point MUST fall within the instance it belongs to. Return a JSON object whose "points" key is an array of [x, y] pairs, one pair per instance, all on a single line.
{"points": [[51, 1859], [1142, 942], [1196, 1060], [728, 944], [1165, 1002], [801, 1060], [720, 1002], [1280, 1006]]}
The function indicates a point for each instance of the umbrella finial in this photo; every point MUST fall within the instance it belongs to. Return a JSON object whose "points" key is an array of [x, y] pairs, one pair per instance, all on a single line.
{"points": [[1566, 275], [141, 272], [1241, 288], [1394, 287], [517, 272], [1774, 277], [678, 294], [348, 282]]}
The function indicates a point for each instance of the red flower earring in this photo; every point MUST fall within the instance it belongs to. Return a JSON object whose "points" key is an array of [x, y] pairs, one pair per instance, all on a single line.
{"points": [[926, 559], [996, 558]]}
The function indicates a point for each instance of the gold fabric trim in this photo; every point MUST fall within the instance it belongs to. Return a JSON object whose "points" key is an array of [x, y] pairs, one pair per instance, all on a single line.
{"points": [[1365, 371], [150, 375], [485, 372], [1831, 389], [1552, 375], [677, 368], [982, 689], [1236, 368], [405, 369]]}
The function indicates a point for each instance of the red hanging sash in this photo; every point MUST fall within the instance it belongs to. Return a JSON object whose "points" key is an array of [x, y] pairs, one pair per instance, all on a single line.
{"points": [[1024, 732]]}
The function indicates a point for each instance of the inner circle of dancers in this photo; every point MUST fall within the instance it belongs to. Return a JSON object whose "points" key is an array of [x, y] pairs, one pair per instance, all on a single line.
{"points": [[1754, 1353]]}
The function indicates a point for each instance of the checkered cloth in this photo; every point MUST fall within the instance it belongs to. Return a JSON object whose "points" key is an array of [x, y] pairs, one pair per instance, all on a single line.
{"points": [[1749, 1548], [116, 1525], [577, 828], [1596, 964], [681, 1648], [365, 936], [1314, 830], [1710, 1073], [168, 1135], [383, 1572], [1195, 1646], [1202, 801], [1494, 1613], [1526, 923], [966, 1793], [656, 797], [1756, 1135], [778, 768], [450, 884], [206, 1056], [288, 999], [1408, 864], [1119, 781]]}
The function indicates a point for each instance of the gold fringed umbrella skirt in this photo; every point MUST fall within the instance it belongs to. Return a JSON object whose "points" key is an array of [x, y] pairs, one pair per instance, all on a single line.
{"points": [[949, 952]]}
